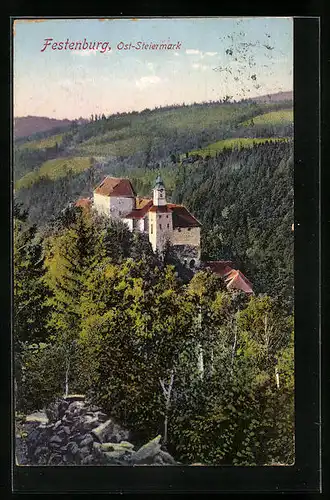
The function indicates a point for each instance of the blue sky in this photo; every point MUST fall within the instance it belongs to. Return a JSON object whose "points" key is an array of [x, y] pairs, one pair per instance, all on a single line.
{"points": [[239, 57]]}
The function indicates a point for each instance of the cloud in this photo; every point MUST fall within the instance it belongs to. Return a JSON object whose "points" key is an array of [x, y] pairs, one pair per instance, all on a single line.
{"points": [[211, 54], [84, 52], [202, 67], [193, 51], [176, 54], [146, 81]]}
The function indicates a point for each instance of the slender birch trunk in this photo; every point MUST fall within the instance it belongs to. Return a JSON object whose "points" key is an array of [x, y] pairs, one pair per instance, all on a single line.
{"points": [[167, 396], [67, 377], [277, 377], [234, 344]]}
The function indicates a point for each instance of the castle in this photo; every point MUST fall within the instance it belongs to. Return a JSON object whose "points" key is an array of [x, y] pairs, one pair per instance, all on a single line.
{"points": [[162, 221]]}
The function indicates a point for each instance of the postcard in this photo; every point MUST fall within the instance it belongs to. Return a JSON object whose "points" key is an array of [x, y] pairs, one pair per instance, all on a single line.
{"points": [[153, 217]]}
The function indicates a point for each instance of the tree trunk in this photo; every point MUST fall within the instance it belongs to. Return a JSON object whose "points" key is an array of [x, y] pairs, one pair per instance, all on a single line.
{"points": [[167, 396], [277, 377], [67, 378], [200, 361], [234, 345]]}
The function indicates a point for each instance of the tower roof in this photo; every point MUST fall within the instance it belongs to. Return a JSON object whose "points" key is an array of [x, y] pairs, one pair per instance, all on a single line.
{"points": [[112, 186], [159, 182]]}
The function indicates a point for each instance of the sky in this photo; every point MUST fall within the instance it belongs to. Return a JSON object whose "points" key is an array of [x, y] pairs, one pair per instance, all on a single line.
{"points": [[212, 58]]}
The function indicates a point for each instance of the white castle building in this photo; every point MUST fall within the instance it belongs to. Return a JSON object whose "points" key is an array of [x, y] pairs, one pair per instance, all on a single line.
{"points": [[162, 221]]}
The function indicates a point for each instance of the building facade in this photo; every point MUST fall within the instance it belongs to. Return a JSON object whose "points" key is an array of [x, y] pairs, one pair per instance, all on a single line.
{"points": [[162, 221]]}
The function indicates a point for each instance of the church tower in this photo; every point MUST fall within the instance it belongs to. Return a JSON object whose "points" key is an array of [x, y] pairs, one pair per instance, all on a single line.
{"points": [[160, 218], [159, 194]]}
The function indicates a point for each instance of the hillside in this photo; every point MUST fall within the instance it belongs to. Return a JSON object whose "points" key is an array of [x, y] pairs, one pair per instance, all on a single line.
{"points": [[27, 125], [278, 97], [241, 140]]}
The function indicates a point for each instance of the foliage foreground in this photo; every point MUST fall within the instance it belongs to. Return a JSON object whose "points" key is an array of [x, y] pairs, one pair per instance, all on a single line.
{"points": [[98, 313]]}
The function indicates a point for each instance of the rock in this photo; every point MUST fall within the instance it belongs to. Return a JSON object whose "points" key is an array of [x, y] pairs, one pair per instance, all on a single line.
{"points": [[33, 436], [62, 434], [41, 450], [76, 437], [147, 451], [166, 457], [52, 411], [55, 459], [103, 431], [88, 422], [102, 417], [84, 451], [87, 440], [117, 446], [72, 448], [114, 456], [74, 397], [158, 460], [62, 408], [67, 419], [67, 430], [37, 417], [55, 439], [87, 460], [57, 424], [76, 407]]}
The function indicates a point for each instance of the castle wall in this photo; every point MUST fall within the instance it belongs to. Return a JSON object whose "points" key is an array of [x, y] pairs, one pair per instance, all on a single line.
{"points": [[120, 206], [160, 229], [113, 206], [186, 236], [101, 204], [129, 223]]}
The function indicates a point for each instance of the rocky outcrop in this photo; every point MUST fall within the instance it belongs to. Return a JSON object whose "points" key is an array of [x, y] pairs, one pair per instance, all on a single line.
{"points": [[71, 432]]}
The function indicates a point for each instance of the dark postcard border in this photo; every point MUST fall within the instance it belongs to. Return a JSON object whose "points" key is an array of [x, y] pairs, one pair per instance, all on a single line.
{"points": [[304, 476]]}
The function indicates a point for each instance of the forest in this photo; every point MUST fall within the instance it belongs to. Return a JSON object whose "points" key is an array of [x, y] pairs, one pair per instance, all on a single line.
{"points": [[97, 312]]}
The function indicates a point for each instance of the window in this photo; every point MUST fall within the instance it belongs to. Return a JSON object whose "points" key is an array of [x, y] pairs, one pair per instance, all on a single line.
{"points": [[192, 263], [168, 226], [160, 226], [179, 229], [151, 228], [166, 216]]}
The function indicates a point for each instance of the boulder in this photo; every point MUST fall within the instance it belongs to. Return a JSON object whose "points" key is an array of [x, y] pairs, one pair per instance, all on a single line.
{"points": [[88, 460], [147, 452], [166, 457], [103, 431], [87, 440], [117, 447], [74, 397]]}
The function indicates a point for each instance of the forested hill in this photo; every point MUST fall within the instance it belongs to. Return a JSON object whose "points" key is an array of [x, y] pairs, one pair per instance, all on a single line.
{"points": [[26, 126], [229, 162], [244, 199]]}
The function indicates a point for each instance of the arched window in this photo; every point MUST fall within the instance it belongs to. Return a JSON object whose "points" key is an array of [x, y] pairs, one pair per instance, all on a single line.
{"points": [[192, 263]]}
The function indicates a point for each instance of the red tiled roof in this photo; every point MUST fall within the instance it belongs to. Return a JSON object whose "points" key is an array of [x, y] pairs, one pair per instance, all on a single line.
{"points": [[112, 186], [160, 209], [182, 217], [236, 279], [84, 203], [140, 211], [142, 202]]}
